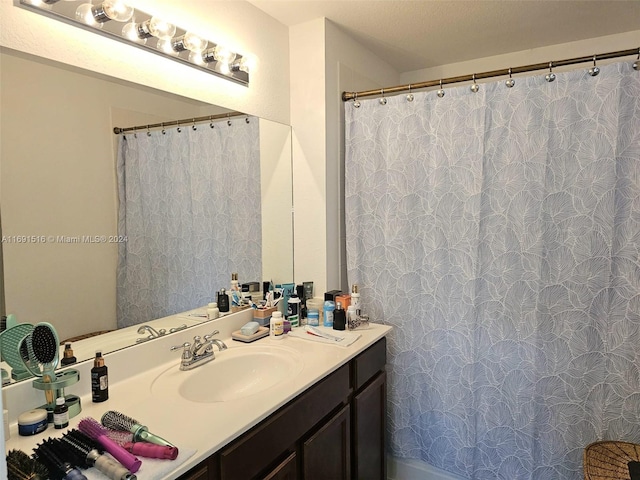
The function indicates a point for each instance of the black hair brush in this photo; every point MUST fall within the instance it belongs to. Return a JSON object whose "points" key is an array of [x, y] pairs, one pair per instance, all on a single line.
{"points": [[88, 453], [50, 454], [21, 466]]}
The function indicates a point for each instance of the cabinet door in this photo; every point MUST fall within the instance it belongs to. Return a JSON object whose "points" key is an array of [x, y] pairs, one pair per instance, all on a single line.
{"points": [[327, 454], [369, 430], [287, 470]]}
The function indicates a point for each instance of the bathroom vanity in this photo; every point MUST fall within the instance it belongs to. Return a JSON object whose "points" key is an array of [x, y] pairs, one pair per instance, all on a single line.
{"points": [[271, 409]]}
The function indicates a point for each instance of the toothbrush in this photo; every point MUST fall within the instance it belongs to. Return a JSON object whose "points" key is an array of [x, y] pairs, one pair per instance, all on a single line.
{"points": [[93, 429], [318, 333]]}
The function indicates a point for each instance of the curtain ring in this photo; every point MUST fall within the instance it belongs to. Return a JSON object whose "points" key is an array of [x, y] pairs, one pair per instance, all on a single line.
{"points": [[440, 92], [356, 102], [510, 82], [247, 120], [410, 95], [135, 132], [178, 127], [593, 71], [475, 87], [163, 130], [211, 121], [229, 119], [383, 100], [636, 64], [550, 77], [193, 127], [148, 132]]}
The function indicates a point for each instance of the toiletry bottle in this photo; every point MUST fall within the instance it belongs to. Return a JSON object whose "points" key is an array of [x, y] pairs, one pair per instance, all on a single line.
{"points": [[235, 293], [99, 380], [302, 311], [213, 311], [355, 297], [339, 317], [276, 325], [329, 307], [68, 357], [60, 414], [223, 301], [293, 310], [313, 317], [352, 316]]}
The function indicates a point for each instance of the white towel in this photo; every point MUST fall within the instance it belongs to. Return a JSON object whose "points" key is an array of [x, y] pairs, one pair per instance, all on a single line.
{"points": [[151, 469], [325, 335]]}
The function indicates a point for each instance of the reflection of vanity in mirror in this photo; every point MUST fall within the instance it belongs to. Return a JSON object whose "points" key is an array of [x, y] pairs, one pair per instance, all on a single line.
{"points": [[58, 157]]}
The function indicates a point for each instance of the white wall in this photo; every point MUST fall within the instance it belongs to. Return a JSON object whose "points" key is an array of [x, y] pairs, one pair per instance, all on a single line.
{"points": [[326, 61], [237, 24]]}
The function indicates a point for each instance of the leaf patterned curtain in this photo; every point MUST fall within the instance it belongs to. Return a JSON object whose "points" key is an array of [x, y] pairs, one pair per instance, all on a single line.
{"points": [[499, 233], [190, 211]]}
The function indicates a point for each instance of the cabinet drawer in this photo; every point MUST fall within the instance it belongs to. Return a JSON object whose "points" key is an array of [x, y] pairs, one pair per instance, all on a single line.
{"points": [[254, 452], [369, 363]]}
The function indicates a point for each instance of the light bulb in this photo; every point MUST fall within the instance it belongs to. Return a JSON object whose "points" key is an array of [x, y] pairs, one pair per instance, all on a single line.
{"points": [[117, 10], [131, 32], [246, 64], [165, 45], [196, 57], [223, 54], [161, 29], [223, 68], [193, 42], [84, 13]]}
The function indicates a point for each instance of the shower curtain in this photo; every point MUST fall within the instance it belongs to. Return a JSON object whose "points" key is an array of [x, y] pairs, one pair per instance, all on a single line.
{"points": [[498, 232], [189, 216]]}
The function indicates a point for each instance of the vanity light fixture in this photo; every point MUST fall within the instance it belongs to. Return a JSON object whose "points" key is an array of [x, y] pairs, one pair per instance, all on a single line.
{"points": [[117, 20]]}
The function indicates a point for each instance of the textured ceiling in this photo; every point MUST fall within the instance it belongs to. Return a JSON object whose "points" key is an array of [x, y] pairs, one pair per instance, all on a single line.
{"points": [[416, 34]]}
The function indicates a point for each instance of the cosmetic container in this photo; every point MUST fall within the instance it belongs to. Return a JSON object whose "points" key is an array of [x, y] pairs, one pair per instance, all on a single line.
{"points": [[213, 311], [68, 358], [99, 380], [313, 317], [293, 310], [339, 317], [276, 325], [60, 414], [32, 422], [223, 301], [355, 297], [329, 307]]}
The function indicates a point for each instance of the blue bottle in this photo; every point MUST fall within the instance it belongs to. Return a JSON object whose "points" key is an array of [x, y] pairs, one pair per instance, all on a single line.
{"points": [[329, 307]]}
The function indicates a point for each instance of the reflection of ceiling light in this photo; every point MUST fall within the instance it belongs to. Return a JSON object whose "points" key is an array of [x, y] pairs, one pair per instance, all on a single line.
{"points": [[116, 19]]}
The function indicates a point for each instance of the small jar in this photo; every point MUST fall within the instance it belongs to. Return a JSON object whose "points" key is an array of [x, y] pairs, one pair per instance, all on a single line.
{"points": [[276, 325], [213, 311], [60, 414], [313, 317]]}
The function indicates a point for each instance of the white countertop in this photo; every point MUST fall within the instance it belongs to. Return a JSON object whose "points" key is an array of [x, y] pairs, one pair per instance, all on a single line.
{"points": [[191, 426]]}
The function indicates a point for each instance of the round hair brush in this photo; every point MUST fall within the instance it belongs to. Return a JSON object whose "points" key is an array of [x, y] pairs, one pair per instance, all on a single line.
{"points": [[21, 466], [93, 429], [49, 453], [142, 449], [87, 453], [119, 421]]}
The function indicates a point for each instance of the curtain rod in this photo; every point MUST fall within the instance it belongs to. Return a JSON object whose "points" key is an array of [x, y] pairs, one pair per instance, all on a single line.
{"points": [[178, 123], [494, 73]]}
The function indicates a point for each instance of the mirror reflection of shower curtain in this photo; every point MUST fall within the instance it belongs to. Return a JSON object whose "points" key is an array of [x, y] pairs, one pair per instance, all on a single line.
{"points": [[499, 233], [189, 216]]}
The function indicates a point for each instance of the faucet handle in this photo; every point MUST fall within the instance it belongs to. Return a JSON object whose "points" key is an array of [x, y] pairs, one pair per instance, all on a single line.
{"points": [[215, 332], [185, 346]]}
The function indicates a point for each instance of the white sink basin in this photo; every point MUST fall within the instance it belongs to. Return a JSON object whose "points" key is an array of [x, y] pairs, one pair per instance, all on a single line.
{"points": [[235, 373]]}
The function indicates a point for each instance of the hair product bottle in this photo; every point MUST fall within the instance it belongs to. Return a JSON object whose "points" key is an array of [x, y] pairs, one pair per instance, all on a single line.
{"points": [[339, 317], [60, 414], [223, 301], [68, 357], [99, 380]]}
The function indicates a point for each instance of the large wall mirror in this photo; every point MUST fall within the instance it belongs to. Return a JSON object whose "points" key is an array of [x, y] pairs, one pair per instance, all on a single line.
{"points": [[58, 178]]}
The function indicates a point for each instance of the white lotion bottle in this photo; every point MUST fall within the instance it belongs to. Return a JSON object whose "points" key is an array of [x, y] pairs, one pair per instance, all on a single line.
{"points": [[276, 326]]}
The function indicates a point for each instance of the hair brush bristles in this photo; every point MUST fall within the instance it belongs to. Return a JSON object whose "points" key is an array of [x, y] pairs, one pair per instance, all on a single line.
{"points": [[44, 342], [21, 466], [93, 429]]}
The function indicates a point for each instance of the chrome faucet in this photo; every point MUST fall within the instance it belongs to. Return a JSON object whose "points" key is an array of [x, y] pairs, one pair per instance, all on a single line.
{"points": [[153, 333], [200, 352]]}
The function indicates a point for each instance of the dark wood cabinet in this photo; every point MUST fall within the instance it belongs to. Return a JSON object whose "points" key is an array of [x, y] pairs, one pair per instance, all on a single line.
{"points": [[327, 453], [334, 430]]}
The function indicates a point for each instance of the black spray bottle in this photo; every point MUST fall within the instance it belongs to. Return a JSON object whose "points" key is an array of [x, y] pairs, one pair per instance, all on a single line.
{"points": [[99, 380]]}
